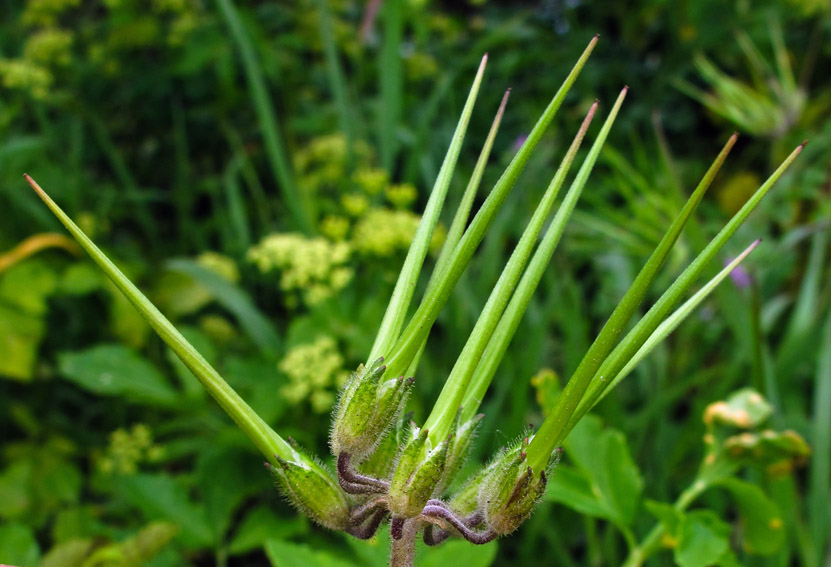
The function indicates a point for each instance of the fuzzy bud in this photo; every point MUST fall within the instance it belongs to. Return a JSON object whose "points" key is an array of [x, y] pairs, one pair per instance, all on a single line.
{"points": [[465, 500], [459, 448], [510, 491], [313, 490], [368, 406], [416, 476], [381, 462]]}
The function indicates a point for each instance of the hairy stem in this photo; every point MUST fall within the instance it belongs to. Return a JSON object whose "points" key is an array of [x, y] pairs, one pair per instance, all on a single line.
{"points": [[402, 548]]}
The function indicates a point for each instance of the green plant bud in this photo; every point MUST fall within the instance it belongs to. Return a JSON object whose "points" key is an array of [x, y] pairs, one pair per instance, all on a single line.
{"points": [[465, 501], [381, 462], [459, 447], [313, 490], [368, 406], [417, 475], [745, 409], [779, 451], [510, 491]]}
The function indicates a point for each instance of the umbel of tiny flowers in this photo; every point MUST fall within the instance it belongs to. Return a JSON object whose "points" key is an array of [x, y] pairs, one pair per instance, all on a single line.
{"points": [[388, 470]]}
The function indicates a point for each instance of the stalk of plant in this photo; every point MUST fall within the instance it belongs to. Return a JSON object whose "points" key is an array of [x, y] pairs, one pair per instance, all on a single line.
{"points": [[385, 469]]}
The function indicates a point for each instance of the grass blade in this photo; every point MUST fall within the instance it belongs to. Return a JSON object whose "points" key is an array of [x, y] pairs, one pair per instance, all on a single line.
{"points": [[820, 488], [264, 107], [337, 81], [391, 74], [258, 328]]}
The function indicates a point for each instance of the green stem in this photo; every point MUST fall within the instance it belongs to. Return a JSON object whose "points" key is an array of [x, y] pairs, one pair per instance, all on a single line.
{"points": [[422, 321], [402, 295], [265, 438]]}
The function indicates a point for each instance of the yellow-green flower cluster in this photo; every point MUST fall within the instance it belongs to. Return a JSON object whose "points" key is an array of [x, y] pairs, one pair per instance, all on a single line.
{"points": [[46, 12], [315, 372], [383, 232], [371, 180], [128, 449], [421, 66], [51, 46], [335, 227], [324, 163], [119, 26], [221, 265], [313, 267], [24, 75], [355, 204], [402, 196]]}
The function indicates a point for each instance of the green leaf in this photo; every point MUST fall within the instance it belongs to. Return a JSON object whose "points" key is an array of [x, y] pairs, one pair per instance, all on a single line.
{"points": [[147, 543], [116, 370], [763, 532], [28, 285], [262, 524], [573, 488], [226, 479], [703, 540], [264, 107], [81, 278], [231, 297], [285, 554], [18, 545], [373, 552], [159, 496], [602, 455], [72, 553], [457, 552], [20, 336]]}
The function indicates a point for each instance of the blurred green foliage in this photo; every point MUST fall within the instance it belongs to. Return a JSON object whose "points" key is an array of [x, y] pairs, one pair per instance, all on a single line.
{"points": [[168, 131]]}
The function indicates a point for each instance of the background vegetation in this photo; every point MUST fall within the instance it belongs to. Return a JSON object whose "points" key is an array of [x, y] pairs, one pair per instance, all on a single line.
{"points": [[258, 168]]}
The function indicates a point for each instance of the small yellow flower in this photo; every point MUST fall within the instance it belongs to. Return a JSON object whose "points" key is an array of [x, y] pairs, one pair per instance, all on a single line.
{"points": [[314, 370], [402, 196]]}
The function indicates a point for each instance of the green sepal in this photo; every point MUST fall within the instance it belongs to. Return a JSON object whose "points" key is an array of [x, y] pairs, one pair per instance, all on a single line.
{"points": [[368, 406], [460, 443], [465, 500], [313, 490], [381, 462], [419, 471]]}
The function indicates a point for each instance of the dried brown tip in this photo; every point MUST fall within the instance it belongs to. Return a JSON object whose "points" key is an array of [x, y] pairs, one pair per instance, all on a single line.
{"points": [[804, 143], [35, 186]]}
